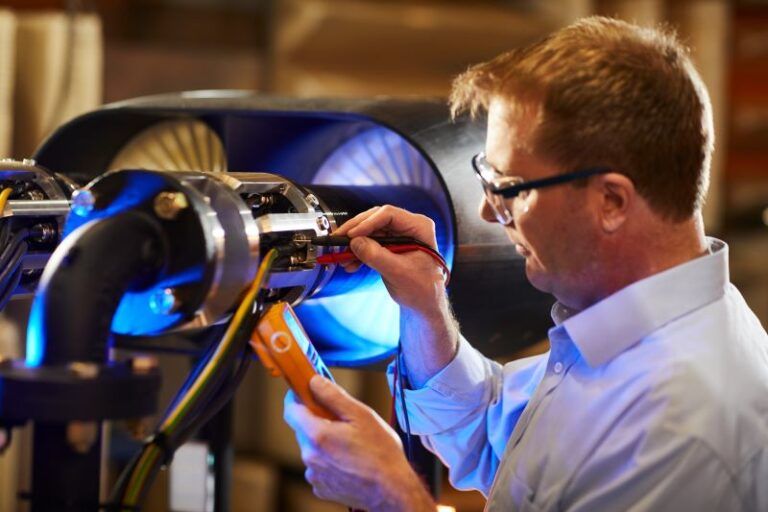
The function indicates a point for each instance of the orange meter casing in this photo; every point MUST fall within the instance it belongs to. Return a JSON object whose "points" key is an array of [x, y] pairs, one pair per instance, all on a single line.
{"points": [[285, 350]]}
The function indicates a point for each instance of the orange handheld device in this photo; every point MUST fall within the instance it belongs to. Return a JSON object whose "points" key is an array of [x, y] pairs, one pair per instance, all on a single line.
{"points": [[285, 350]]}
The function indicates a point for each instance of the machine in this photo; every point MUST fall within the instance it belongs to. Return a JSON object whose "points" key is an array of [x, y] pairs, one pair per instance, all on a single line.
{"points": [[152, 217]]}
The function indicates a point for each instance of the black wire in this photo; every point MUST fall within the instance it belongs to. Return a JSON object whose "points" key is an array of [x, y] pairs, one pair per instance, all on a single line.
{"points": [[11, 247], [222, 397], [401, 378], [10, 273], [8, 291], [217, 396]]}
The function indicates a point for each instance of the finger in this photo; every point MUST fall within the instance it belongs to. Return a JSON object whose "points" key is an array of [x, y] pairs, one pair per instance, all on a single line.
{"points": [[354, 221], [300, 418], [396, 221], [352, 266], [335, 399], [377, 257]]}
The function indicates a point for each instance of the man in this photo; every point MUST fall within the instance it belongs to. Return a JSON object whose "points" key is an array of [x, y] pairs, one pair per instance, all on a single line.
{"points": [[654, 395]]}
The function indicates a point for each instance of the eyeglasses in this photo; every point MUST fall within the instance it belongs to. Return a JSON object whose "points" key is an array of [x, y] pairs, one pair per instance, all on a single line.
{"points": [[505, 193]]}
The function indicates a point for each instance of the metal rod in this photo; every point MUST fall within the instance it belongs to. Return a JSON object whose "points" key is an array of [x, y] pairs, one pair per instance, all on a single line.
{"points": [[42, 208]]}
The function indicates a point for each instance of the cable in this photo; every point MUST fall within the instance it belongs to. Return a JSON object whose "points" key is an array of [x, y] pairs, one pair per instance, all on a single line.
{"points": [[395, 244], [176, 422], [400, 378], [4, 195]]}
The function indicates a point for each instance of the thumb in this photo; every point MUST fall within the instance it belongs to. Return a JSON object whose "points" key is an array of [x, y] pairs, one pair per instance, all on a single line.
{"points": [[333, 397], [375, 256]]}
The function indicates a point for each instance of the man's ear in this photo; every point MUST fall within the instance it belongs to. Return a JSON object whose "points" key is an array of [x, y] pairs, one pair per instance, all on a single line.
{"points": [[617, 192]]}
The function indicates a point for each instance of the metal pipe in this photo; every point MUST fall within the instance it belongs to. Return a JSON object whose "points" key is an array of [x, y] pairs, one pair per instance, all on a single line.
{"points": [[42, 208]]}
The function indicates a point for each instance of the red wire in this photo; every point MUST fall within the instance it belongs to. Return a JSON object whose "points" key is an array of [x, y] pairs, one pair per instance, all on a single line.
{"points": [[347, 255]]}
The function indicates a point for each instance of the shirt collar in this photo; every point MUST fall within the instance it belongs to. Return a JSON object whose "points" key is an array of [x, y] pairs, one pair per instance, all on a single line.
{"points": [[609, 327]]}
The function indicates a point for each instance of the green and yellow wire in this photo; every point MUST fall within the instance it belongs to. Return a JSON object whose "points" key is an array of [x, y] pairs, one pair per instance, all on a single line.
{"points": [[149, 457], [4, 195]]}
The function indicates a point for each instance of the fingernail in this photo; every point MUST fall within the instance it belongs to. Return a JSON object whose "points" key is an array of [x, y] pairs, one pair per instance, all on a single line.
{"points": [[319, 381], [357, 243]]}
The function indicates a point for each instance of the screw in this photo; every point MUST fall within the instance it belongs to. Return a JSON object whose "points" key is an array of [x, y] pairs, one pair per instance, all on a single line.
{"points": [[322, 223], [169, 204], [163, 301], [84, 370], [29, 161], [82, 202], [81, 435], [42, 233], [312, 200]]}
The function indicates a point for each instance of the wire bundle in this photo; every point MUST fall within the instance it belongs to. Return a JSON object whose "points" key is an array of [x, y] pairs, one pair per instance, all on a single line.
{"points": [[14, 248], [207, 390]]}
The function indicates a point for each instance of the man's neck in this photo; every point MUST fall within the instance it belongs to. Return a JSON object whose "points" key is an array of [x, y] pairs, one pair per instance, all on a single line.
{"points": [[660, 248]]}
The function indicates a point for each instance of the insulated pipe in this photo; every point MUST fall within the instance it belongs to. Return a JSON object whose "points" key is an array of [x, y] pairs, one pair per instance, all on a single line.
{"points": [[83, 283]]}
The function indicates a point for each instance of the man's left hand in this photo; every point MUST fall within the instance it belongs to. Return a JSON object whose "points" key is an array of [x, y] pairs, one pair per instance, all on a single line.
{"points": [[357, 460]]}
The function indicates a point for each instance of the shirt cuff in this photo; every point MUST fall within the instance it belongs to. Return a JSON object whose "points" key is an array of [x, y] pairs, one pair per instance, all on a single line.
{"points": [[449, 398]]}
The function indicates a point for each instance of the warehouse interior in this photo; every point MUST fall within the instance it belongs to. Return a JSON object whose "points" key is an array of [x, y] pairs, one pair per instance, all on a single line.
{"points": [[62, 59]]}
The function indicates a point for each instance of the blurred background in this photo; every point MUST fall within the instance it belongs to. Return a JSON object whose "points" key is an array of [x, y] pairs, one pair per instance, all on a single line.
{"points": [[61, 58]]}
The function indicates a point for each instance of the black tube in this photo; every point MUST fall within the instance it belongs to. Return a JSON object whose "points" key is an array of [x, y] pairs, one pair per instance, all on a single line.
{"points": [[86, 279]]}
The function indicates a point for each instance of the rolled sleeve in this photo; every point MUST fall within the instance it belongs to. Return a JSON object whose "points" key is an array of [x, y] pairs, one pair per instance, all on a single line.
{"points": [[460, 390]]}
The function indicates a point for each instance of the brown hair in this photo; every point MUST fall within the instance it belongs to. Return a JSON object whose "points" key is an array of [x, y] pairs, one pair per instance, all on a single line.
{"points": [[611, 94]]}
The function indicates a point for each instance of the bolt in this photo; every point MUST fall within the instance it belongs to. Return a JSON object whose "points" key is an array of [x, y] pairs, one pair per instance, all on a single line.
{"points": [[169, 204], [34, 195], [322, 223], [82, 202], [143, 364], [84, 370], [312, 200], [81, 435], [163, 301], [42, 233]]}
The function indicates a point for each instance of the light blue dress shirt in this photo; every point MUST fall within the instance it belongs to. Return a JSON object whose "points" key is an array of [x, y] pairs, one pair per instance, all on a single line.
{"points": [[655, 398]]}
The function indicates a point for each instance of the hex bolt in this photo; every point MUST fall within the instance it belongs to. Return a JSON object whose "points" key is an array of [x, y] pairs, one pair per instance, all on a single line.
{"points": [[312, 200], [84, 369], [83, 201], [168, 204], [42, 233], [81, 435], [322, 223]]}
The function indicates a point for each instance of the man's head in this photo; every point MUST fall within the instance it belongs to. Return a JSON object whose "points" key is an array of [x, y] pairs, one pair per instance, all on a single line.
{"points": [[599, 93]]}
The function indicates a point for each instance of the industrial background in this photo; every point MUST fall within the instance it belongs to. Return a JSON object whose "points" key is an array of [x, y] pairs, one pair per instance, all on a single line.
{"points": [[59, 59]]}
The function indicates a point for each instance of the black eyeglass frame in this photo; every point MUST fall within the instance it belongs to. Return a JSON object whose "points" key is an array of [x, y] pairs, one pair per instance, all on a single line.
{"points": [[497, 186]]}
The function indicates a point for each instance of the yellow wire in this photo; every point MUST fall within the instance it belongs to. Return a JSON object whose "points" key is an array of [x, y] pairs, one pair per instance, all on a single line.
{"points": [[147, 459], [4, 195], [242, 311]]}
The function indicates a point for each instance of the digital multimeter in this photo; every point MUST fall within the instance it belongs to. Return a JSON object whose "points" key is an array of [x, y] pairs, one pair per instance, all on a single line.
{"points": [[285, 350]]}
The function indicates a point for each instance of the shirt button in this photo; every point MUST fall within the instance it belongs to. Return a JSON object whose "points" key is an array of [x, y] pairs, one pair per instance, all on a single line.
{"points": [[558, 367]]}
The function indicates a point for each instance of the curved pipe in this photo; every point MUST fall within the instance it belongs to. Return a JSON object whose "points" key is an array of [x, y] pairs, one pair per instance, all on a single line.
{"points": [[83, 284]]}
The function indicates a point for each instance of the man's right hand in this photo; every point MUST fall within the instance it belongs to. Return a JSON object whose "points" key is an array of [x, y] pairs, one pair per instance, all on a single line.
{"points": [[413, 279], [428, 331]]}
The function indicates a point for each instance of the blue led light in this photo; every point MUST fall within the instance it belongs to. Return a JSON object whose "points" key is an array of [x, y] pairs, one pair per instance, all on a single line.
{"points": [[36, 334], [162, 301], [82, 202]]}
